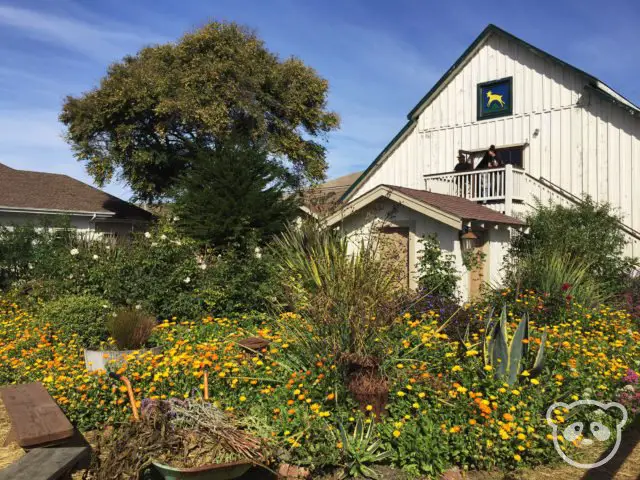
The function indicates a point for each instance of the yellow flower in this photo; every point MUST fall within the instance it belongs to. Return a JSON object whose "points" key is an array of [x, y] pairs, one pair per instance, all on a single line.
{"points": [[472, 353], [488, 368], [535, 381], [472, 422], [401, 393], [456, 368], [243, 398], [517, 457], [525, 373], [396, 433], [369, 408]]}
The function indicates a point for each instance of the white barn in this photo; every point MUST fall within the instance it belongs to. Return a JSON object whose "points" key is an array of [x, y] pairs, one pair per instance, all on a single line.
{"points": [[561, 132]]}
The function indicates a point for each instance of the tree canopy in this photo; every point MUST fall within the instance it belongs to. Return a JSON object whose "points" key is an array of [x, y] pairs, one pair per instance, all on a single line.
{"points": [[153, 111], [233, 195]]}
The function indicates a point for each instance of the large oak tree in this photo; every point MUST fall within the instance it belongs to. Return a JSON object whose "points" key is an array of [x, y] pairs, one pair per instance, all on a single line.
{"points": [[153, 111]]}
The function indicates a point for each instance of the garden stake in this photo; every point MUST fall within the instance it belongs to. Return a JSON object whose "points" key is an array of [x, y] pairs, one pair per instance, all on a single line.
{"points": [[132, 399], [206, 384]]}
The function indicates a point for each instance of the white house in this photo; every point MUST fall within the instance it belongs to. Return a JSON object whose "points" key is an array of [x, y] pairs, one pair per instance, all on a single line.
{"points": [[31, 197], [561, 133]]}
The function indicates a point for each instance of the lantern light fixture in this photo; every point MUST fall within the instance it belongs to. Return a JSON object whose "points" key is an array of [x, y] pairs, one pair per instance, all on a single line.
{"points": [[468, 241]]}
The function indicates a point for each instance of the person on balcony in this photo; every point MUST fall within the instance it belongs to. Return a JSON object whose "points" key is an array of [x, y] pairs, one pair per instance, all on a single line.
{"points": [[490, 160], [462, 182], [463, 164]]}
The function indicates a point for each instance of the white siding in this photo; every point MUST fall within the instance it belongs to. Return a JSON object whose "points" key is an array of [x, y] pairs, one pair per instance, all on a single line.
{"points": [[577, 139], [360, 225]]}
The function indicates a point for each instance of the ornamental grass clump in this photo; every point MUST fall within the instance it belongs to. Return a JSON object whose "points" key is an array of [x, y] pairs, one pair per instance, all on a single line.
{"points": [[349, 296], [131, 328]]}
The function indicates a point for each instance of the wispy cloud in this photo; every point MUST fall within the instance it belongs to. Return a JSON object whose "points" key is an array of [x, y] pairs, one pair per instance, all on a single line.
{"points": [[32, 140], [101, 42]]}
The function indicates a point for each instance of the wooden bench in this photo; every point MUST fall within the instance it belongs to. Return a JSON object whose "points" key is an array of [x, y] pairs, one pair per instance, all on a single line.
{"points": [[37, 424], [47, 463], [36, 419]]}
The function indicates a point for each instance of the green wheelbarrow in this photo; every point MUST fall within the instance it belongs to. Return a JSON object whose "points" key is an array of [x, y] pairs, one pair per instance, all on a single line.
{"points": [[215, 471]]}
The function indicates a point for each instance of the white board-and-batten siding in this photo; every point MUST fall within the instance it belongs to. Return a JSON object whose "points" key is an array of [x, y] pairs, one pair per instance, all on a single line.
{"points": [[577, 138]]}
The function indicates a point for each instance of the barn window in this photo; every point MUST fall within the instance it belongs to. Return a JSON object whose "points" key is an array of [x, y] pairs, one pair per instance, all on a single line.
{"points": [[511, 155], [508, 154]]}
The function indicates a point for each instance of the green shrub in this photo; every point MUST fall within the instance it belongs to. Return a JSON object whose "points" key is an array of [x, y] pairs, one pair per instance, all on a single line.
{"points": [[437, 272], [167, 275], [83, 317], [130, 328], [586, 235], [240, 281]]}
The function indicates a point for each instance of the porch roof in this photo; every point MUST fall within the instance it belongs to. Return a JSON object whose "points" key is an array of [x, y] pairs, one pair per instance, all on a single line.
{"points": [[448, 209]]}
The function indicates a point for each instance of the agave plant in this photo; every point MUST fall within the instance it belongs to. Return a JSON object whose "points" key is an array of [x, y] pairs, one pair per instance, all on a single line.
{"points": [[361, 449], [506, 355]]}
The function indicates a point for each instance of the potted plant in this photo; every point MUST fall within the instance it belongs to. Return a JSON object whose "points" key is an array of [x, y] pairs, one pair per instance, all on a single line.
{"points": [[130, 329]]}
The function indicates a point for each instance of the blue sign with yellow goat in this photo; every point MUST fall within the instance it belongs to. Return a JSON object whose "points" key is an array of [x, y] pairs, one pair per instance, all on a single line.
{"points": [[495, 98]]}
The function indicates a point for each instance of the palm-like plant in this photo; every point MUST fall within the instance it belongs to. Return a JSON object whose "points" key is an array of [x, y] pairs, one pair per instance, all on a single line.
{"points": [[341, 286], [361, 449]]}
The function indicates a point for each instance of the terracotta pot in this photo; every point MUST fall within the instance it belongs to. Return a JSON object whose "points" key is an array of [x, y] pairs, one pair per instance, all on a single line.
{"points": [[100, 359]]}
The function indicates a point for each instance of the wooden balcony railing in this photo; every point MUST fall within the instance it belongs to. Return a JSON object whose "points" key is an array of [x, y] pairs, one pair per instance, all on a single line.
{"points": [[494, 184]]}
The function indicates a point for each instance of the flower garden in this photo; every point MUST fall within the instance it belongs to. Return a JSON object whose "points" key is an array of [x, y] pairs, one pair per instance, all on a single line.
{"points": [[446, 406]]}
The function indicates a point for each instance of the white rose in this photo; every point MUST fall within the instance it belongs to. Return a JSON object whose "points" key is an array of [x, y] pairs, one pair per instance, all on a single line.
{"points": [[96, 257], [163, 237], [138, 307], [108, 247], [175, 219], [154, 244], [74, 251], [187, 280], [203, 266], [147, 235]]}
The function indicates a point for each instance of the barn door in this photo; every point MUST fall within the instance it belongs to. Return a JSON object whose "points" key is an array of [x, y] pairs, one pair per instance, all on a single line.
{"points": [[394, 247]]}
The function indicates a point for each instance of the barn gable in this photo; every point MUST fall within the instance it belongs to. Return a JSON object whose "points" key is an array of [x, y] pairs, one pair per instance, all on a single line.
{"points": [[546, 92]]}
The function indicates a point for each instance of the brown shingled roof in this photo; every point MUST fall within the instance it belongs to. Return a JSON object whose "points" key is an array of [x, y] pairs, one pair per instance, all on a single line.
{"points": [[323, 198], [460, 207], [52, 191]]}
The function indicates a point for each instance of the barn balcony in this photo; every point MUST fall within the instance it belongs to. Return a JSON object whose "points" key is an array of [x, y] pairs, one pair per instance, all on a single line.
{"points": [[499, 188]]}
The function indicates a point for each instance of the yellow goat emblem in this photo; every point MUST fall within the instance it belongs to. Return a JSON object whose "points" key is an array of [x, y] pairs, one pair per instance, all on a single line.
{"points": [[494, 97]]}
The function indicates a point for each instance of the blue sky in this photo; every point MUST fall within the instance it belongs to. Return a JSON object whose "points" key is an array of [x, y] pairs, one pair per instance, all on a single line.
{"points": [[380, 57]]}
